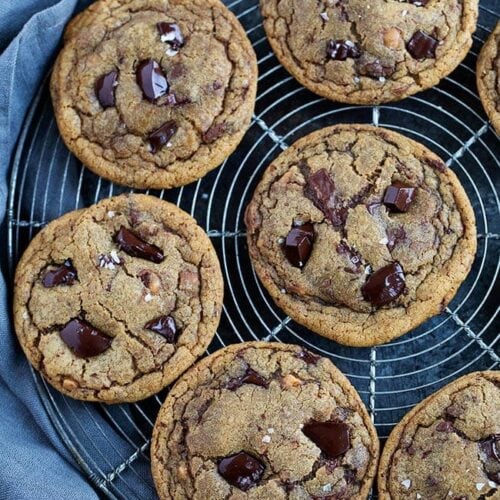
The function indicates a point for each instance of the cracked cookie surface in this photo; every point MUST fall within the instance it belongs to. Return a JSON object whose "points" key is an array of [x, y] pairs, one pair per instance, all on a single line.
{"points": [[360, 234], [367, 53], [448, 446], [154, 93], [488, 82], [113, 302], [295, 419]]}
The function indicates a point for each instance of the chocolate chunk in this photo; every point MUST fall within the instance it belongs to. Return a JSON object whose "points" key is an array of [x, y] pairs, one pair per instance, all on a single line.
{"points": [[422, 45], [165, 326], [249, 377], [354, 257], [419, 3], [214, 132], [340, 50], [437, 164], [453, 411], [241, 470], [376, 69], [384, 285], [349, 476], [399, 196], [308, 357], [330, 437], [64, 275], [134, 246], [160, 137], [491, 447], [170, 33], [320, 189], [445, 426], [83, 339], [151, 80], [298, 244], [494, 476], [105, 89]]}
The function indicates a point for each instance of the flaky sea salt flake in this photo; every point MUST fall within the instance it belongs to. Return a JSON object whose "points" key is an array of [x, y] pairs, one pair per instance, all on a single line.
{"points": [[406, 484]]}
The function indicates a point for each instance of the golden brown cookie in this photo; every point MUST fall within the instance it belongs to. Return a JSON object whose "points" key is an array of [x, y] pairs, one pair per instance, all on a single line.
{"points": [[369, 52], [112, 303], [448, 446], [488, 83], [360, 234], [154, 93], [263, 421]]}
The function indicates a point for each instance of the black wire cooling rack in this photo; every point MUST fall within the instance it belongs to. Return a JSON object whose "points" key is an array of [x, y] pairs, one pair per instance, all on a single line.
{"points": [[111, 444]]}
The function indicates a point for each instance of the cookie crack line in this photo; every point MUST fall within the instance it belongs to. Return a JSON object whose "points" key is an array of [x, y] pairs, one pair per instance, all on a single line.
{"points": [[264, 210], [201, 140], [149, 361], [409, 427], [301, 60], [207, 384]]}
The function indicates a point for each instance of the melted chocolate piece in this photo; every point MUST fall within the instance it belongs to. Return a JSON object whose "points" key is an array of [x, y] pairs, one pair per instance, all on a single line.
{"points": [[320, 189], [445, 426], [64, 275], [308, 357], [83, 339], [422, 45], [171, 34], [165, 326], [349, 476], [249, 377], [214, 132], [376, 69], [399, 196], [151, 80], [298, 244], [241, 470], [130, 243], [384, 285], [160, 137], [453, 411], [437, 164], [340, 50], [105, 89], [332, 438], [491, 447], [354, 257]]}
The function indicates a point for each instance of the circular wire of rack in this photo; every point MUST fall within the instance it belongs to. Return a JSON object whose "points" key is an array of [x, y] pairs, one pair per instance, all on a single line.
{"points": [[111, 443]]}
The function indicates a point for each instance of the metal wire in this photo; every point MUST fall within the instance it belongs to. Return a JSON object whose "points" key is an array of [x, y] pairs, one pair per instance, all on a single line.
{"points": [[111, 443]]}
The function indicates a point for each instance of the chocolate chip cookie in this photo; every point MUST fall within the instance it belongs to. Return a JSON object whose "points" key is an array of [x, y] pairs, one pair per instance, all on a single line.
{"points": [[360, 234], [154, 93], [448, 446], [113, 302], [488, 83], [260, 420], [369, 52]]}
